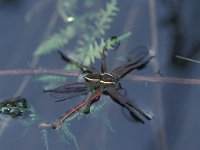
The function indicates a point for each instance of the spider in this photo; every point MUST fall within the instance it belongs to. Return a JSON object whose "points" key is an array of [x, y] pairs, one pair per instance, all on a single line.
{"points": [[98, 83]]}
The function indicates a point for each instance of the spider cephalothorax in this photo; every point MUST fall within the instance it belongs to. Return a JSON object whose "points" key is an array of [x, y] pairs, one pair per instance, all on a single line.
{"points": [[98, 83]]}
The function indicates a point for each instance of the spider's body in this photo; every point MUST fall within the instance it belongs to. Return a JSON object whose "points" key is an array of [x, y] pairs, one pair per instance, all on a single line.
{"points": [[98, 83], [102, 78]]}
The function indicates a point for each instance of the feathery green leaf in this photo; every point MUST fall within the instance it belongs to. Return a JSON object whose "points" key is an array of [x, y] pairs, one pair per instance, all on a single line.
{"points": [[56, 41]]}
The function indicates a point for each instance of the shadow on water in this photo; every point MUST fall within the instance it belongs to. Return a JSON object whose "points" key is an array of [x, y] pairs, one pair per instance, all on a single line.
{"points": [[167, 27]]}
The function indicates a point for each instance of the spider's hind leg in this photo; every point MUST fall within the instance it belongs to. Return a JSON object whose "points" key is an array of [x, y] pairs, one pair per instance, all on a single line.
{"points": [[146, 115], [121, 89], [135, 111], [96, 97]]}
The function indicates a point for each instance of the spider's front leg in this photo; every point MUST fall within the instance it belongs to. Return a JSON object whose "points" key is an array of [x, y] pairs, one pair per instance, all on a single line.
{"points": [[113, 43], [137, 63], [103, 61], [78, 65], [93, 97], [70, 90]]}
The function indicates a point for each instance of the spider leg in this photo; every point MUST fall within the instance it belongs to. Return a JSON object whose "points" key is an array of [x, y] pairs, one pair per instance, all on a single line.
{"points": [[65, 96], [103, 61], [134, 61], [114, 44], [94, 97], [146, 115], [121, 89], [138, 65], [78, 65], [69, 113], [134, 64], [66, 91], [71, 87], [133, 108]]}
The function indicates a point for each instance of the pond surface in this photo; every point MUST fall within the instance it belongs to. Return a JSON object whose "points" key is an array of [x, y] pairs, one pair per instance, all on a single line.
{"points": [[168, 28]]}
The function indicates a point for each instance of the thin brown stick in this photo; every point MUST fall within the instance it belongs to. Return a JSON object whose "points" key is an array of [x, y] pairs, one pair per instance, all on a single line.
{"points": [[161, 142], [164, 79], [38, 71], [41, 71]]}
